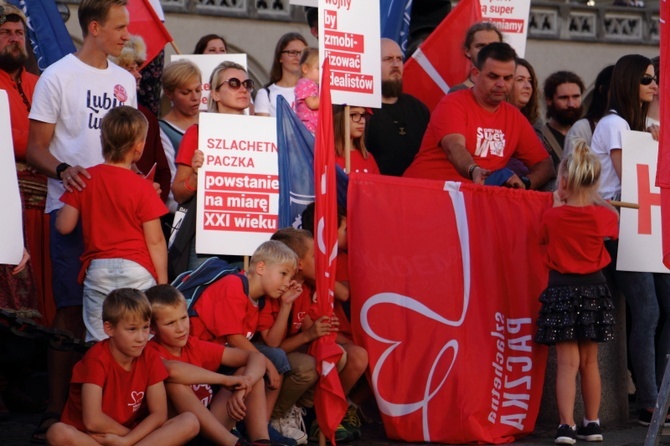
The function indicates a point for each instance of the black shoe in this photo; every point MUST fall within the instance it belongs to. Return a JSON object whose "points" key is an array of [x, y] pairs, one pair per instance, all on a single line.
{"points": [[590, 432], [644, 418], [565, 435]]}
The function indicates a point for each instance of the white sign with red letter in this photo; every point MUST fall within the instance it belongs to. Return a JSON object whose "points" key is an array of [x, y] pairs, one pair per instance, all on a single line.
{"points": [[511, 18], [350, 40], [640, 247], [11, 236], [238, 184], [206, 63]]}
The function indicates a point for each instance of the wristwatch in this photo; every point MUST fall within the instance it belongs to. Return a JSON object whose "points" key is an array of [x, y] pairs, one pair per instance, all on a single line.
{"points": [[526, 182], [60, 169]]}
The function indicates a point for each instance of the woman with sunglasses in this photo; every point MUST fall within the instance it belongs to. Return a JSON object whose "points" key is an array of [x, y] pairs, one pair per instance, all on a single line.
{"points": [[284, 75], [632, 88], [361, 160], [231, 94]]}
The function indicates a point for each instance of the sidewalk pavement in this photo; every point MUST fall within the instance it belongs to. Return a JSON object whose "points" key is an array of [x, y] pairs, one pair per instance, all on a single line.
{"points": [[16, 431]]}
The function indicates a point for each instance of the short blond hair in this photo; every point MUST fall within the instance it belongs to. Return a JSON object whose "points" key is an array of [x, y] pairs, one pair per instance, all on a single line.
{"points": [[120, 129], [179, 73], [125, 303], [273, 252]]}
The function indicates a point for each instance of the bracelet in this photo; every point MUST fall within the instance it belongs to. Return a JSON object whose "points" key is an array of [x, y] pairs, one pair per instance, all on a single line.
{"points": [[471, 170], [186, 186]]}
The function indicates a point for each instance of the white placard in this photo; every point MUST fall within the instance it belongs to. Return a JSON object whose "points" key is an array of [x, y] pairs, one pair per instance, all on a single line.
{"points": [[238, 185], [640, 244], [511, 18], [11, 236], [206, 63], [349, 38]]}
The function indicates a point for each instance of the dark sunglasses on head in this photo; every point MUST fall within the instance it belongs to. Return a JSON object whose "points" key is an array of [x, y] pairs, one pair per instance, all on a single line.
{"points": [[235, 84], [646, 80]]}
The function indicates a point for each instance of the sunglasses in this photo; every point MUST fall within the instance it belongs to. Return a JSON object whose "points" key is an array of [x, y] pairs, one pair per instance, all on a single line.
{"points": [[235, 84], [356, 117], [646, 80]]}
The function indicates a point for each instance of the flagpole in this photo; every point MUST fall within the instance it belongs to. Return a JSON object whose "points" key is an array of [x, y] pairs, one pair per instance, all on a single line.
{"points": [[347, 140], [174, 47], [624, 204]]}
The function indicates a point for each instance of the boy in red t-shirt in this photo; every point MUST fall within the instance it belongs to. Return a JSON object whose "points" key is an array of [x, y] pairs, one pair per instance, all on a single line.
{"points": [[192, 364], [226, 314], [120, 216], [117, 394]]}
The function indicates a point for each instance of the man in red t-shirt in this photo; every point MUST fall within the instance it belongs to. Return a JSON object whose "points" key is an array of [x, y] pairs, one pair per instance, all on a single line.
{"points": [[473, 133]]}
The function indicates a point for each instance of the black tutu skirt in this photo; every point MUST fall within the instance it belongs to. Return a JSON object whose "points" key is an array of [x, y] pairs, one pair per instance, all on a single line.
{"points": [[577, 311]]}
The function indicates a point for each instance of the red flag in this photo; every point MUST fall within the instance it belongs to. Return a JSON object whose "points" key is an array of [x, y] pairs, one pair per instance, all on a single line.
{"points": [[447, 311], [439, 63], [663, 169], [329, 400], [144, 22]]}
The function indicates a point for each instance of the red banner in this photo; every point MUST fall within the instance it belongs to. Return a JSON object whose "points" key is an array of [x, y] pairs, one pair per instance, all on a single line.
{"points": [[440, 63], [663, 170], [144, 22], [330, 403], [446, 279]]}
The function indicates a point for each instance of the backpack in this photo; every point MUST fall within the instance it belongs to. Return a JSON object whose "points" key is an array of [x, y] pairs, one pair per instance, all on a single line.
{"points": [[193, 283]]}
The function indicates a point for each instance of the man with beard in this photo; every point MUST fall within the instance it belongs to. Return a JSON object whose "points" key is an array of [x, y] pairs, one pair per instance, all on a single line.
{"points": [[393, 134], [563, 92], [474, 132]]}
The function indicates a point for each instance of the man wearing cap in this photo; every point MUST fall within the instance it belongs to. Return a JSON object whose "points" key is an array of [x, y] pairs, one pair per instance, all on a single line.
{"points": [[71, 98]]}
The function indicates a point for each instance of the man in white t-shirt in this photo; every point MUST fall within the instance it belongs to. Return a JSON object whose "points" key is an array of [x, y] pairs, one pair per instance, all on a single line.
{"points": [[70, 100]]}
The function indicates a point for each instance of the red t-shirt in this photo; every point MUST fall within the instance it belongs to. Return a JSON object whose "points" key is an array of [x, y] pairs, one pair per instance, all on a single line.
{"points": [[113, 206], [188, 146], [200, 353], [299, 310], [342, 275], [122, 391], [225, 309], [574, 238], [491, 137], [18, 110], [358, 163]]}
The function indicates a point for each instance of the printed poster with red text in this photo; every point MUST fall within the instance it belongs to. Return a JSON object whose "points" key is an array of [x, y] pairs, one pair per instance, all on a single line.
{"points": [[238, 184], [511, 18], [445, 280], [350, 39], [640, 243]]}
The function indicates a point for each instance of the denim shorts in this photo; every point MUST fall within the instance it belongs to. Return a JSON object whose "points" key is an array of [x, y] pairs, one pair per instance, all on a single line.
{"points": [[276, 355], [66, 251], [102, 277]]}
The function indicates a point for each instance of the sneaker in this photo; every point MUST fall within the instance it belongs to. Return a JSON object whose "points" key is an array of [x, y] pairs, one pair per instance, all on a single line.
{"points": [[292, 425], [352, 423], [590, 432], [276, 437], [565, 435], [341, 434], [644, 418]]}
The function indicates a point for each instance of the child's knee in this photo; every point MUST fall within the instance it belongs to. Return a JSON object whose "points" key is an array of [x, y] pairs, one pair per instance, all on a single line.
{"points": [[357, 357], [188, 424], [60, 434]]}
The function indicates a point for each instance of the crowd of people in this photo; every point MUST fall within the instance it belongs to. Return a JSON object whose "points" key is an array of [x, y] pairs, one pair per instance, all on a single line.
{"points": [[102, 174]]}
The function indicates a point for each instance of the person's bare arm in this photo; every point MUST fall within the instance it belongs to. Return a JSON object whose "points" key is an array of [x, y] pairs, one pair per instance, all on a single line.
{"points": [[184, 373], [94, 419], [185, 182], [312, 102], [67, 219], [274, 335], [153, 235], [38, 156], [454, 147], [541, 172], [156, 399]]}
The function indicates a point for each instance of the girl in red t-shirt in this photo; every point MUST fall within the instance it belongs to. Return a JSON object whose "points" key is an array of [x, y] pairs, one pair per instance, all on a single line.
{"points": [[361, 160], [577, 309]]}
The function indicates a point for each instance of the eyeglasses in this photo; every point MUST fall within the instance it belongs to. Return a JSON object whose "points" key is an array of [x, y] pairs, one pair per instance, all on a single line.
{"points": [[646, 80], [235, 84], [356, 117], [292, 53]]}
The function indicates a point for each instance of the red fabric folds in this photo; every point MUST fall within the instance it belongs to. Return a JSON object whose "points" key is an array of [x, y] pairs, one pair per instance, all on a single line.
{"points": [[144, 22], [329, 400], [447, 296]]}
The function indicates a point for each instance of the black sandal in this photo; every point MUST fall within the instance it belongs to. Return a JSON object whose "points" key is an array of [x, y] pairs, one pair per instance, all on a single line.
{"points": [[40, 434]]}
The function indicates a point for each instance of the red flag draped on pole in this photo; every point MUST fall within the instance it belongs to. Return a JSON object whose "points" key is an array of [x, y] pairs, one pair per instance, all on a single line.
{"points": [[663, 169], [439, 63], [329, 400], [144, 22]]}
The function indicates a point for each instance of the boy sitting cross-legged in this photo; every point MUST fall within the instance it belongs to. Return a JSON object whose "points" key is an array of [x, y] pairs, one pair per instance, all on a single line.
{"points": [[117, 394], [192, 365]]}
